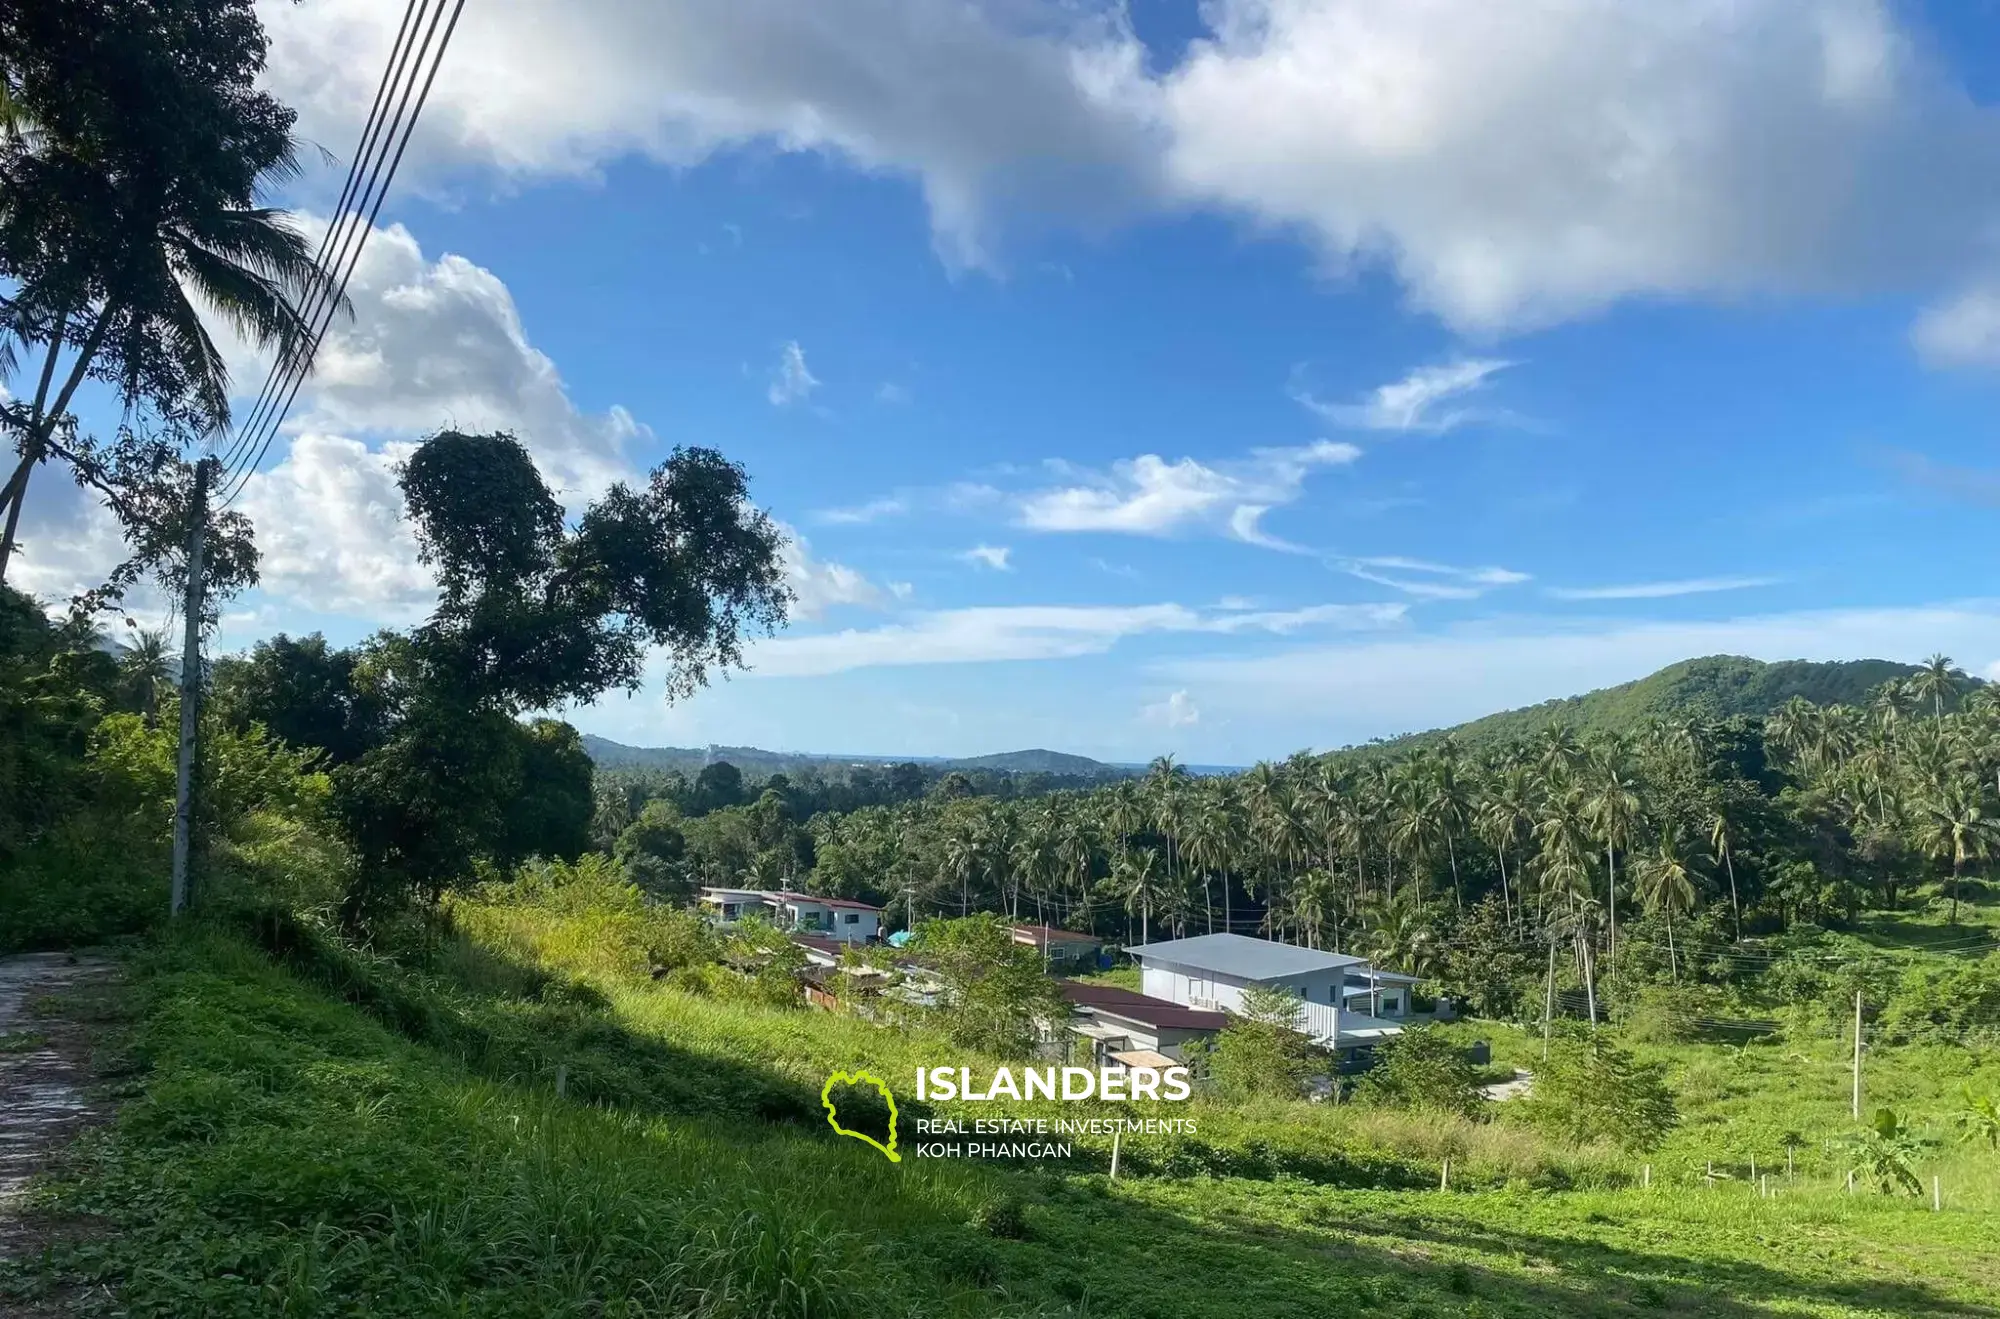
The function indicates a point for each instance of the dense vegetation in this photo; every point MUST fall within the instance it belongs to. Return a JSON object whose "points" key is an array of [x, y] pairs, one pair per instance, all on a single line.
{"points": [[438, 1034]]}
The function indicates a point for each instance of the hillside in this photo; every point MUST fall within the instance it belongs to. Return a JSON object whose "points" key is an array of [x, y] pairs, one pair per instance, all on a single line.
{"points": [[757, 763], [1716, 685]]}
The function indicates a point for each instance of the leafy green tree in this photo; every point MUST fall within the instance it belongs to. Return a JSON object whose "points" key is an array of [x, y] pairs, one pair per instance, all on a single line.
{"points": [[1592, 1090], [307, 694], [1423, 1069], [993, 993], [1262, 1052], [653, 851], [550, 815]]}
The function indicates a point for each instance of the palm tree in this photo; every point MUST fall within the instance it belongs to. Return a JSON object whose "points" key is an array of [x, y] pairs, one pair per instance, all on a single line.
{"points": [[145, 669], [1937, 679], [1666, 885], [1139, 883], [1612, 808], [1721, 831], [1504, 814], [1957, 825], [135, 197]]}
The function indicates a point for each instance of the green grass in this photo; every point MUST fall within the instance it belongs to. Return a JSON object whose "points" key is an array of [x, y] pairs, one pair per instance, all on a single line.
{"points": [[334, 1133]]}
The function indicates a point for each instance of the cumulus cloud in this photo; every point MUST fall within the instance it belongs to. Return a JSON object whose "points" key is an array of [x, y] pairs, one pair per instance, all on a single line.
{"points": [[820, 586], [1149, 496], [1177, 711], [998, 109], [995, 557], [1513, 165], [1661, 590], [331, 530], [440, 343], [1033, 632], [791, 382], [1414, 402], [1522, 164]]}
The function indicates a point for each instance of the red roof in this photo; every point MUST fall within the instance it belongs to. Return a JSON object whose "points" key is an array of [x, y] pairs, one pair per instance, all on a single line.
{"points": [[1141, 1008]]}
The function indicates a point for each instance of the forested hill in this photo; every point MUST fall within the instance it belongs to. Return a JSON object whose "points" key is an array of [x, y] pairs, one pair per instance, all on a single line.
{"points": [[756, 763], [1714, 685]]}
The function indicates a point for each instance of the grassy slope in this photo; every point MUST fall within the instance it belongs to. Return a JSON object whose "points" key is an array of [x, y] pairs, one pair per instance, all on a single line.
{"points": [[1719, 685], [290, 1153]]}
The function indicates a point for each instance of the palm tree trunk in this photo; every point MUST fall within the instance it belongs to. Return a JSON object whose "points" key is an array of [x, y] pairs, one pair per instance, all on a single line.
{"points": [[1590, 981], [1673, 960], [1736, 907], [1506, 900], [1611, 891]]}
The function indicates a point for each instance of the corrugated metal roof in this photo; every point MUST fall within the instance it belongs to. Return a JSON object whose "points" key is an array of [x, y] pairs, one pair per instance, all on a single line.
{"points": [[1141, 1008], [1241, 956]]}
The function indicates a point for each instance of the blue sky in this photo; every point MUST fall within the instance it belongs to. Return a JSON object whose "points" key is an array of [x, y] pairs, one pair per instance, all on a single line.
{"points": [[1281, 374]]}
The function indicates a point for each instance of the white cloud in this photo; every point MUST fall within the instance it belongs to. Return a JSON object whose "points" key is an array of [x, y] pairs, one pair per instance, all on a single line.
{"points": [[1177, 711], [1411, 404], [331, 530], [892, 393], [996, 109], [1380, 688], [1032, 632], [989, 556], [1523, 164], [790, 381], [1149, 496], [1431, 581], [1661, 590], [1963, 331], [1513, 164], [872, 511], [440, 343], [819, 585]]}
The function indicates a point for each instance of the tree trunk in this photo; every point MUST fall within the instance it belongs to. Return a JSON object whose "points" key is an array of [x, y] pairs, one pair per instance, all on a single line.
{"points": [[1736, 907], [1611, 891], [1673, 960]]}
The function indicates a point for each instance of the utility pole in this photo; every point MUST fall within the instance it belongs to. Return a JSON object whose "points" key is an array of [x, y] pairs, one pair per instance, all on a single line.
{"points": [[1549, 1001], [190, 686], [1857, 1053]]}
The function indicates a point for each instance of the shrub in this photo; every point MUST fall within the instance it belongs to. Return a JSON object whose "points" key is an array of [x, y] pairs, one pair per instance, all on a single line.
{"points": [[1591, 1090], [1261, 1053], [1423, 1069]]}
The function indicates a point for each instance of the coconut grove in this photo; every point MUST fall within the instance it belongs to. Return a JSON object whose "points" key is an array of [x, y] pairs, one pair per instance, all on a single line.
{"points": [[340, 974]]}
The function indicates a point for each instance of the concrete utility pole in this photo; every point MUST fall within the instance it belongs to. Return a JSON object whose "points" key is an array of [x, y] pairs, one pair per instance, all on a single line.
{"points": [[190, 687], [1549, 1001], [1857, 1053]]}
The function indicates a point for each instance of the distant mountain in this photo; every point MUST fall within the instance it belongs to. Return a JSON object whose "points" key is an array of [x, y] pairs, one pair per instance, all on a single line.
{"points": [[1715, 685], [758, 763], [1035, 762]]}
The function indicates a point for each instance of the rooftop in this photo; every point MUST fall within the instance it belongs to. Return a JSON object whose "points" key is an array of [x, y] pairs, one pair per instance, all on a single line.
{"points": [[1241, 956], [1050, 934], [1142, 1008], [824, 902]]}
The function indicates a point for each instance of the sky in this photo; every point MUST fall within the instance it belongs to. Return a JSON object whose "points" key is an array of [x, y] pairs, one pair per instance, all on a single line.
{"points": [[1216, 380]]}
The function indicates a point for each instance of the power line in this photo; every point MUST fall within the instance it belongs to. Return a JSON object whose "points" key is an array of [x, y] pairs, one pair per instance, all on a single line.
{"points": [[358, 234]]}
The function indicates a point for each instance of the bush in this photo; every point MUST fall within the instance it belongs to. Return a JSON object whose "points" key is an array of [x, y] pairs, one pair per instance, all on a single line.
{"points": [[1261, 1053], [1591, 1090], [1423, 1069], [1667, 1014]]}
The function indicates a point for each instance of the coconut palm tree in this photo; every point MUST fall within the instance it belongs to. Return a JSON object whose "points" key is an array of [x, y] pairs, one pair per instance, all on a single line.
{"points": [[1141, 885], [1936, 679], [1666, 885], [134, 199], [1504, 814], [1957, 824], [146, 671], [1613, 809], [1721, 842]]}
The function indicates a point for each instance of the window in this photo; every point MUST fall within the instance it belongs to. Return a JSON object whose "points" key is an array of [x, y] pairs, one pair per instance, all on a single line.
{"points": [[850, 918]]}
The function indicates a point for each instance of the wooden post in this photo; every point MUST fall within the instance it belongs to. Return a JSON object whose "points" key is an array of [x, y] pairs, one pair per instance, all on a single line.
{"points": [[1857, 1054], [1646, 1178], [1937, 1195], [1764, 1187], [1850, 1181], [1114, 1153], [190, 691], [1753, 1167], [1444, 1176]]}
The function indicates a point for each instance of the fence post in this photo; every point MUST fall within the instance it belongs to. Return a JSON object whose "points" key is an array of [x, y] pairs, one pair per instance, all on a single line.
{"points": [[1444, 1176], [1850, 1181], [1764, 1186], [1115, 1134], [1937, 1196], [562, 1080], [1646, 1179]]}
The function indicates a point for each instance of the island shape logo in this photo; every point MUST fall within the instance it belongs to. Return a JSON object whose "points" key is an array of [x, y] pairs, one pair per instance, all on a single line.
{"points": [[833, 1118]]}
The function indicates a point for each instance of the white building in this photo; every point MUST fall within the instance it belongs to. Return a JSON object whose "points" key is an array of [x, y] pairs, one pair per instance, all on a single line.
{"points": [[842, 919], [1210, 972]]}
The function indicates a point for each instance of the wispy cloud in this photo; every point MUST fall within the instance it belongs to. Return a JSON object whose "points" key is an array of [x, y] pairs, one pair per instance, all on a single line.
{"points": [[1661, 590], [1036, 632], [791, 382], [1149, 496], [1971, 485], [872, 511], [1422, 579], [995, 557], [1416, 403], [892, 393]]}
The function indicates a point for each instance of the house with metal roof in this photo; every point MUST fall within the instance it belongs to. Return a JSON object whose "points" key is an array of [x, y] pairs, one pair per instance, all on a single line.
{"points": [[1121, 1025], [1211, 972], [841, 919]]}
